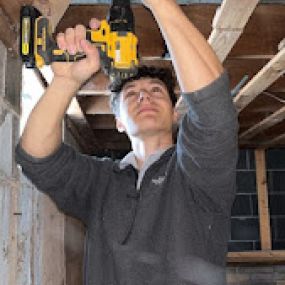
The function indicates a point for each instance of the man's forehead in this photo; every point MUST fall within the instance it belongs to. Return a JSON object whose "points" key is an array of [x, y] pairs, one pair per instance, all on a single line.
{"points": [[148, 80]]}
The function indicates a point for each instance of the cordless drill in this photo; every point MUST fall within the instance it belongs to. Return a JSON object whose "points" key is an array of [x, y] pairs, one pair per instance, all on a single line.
{"points": [[115, 40]]}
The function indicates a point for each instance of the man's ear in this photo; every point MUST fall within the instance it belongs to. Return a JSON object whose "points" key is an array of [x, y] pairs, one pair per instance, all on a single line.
{"points": [[120, 126]]}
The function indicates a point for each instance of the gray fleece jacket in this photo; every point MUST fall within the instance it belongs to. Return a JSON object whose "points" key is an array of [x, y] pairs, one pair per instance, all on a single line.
{"points": [[174, 230]]}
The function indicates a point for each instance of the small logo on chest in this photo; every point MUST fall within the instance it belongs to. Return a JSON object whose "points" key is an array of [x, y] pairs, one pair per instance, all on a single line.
{"points": [[158, 181]]}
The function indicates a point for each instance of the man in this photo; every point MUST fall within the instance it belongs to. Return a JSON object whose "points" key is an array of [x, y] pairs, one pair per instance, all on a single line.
{"points": [[161, 215]]}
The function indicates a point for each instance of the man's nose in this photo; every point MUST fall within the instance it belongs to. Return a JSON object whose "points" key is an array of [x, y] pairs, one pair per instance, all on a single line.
{"points": [[144, 94]]}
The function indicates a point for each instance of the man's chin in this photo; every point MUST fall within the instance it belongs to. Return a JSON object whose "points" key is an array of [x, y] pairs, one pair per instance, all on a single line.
{"points": [[147, 132]]}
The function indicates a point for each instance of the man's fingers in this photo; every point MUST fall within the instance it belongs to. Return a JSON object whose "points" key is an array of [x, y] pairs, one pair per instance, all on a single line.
{"points": [[80, 34], [94, 24], [70, 40], [89, 49], [60, 38]]}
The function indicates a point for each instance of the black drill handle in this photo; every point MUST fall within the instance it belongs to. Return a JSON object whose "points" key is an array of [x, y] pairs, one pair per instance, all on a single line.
{"points": [[55, 54]]}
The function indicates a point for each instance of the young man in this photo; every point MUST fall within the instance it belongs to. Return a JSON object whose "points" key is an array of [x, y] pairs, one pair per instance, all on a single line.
{"points": [[161, 215]]}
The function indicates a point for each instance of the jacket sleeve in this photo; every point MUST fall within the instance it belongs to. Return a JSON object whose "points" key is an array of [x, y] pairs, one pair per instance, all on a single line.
{"points": [[207, 145], [67, 176]]}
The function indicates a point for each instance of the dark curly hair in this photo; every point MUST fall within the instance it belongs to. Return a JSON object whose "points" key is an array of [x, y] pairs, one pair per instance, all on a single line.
{"points": [[163, 74]]}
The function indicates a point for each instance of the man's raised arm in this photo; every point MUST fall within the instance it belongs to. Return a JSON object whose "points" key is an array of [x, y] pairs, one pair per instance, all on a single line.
{"points": [[43, 132], [194, 61]]}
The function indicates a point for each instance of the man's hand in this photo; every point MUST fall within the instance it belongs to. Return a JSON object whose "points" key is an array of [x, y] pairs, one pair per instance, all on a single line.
{"points": [[73, 41]]}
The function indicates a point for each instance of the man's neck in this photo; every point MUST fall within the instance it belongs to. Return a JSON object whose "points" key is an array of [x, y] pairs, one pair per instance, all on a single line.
{"points": [[144, 148]]}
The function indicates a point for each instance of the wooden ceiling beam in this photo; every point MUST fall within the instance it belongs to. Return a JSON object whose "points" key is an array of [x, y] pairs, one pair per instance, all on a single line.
{"points": [[268, 122], [228, 24], [253, 41], [273, 70]]}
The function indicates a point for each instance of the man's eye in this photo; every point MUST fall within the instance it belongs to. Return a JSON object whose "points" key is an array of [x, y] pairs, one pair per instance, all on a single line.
{"points": [[156, 89], [131, 94]]}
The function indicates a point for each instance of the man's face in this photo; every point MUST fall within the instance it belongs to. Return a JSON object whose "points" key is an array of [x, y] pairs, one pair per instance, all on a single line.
{"points": [[145, 108]]}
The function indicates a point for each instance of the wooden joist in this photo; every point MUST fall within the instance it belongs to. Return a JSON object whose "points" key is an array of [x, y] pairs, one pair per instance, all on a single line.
{"points": [[228, 25], [262, 256], [268, 122], [273, 70]]}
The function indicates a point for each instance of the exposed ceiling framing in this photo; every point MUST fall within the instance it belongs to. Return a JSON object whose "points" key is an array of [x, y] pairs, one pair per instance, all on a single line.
{"points": [[245, 34]]}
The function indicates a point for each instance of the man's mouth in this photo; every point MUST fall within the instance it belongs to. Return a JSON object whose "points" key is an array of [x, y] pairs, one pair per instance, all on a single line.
{"points": [[146, 110]]}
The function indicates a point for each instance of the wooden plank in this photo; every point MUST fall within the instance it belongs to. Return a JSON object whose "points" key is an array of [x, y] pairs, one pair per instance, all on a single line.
{"points": [[51, 238], [268, 122], [8, 226], [273, 70], [233, 15], [262, 193], [222, 41], [228, 25], [270, 256]]}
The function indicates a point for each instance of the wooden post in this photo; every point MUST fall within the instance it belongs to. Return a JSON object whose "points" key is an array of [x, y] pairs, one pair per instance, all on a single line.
{"points": [[262, 192]]}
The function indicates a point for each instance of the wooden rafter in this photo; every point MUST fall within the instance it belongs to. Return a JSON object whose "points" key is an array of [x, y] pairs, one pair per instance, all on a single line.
{"points": [[228, 24], [268, 122], [273, 70]]}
